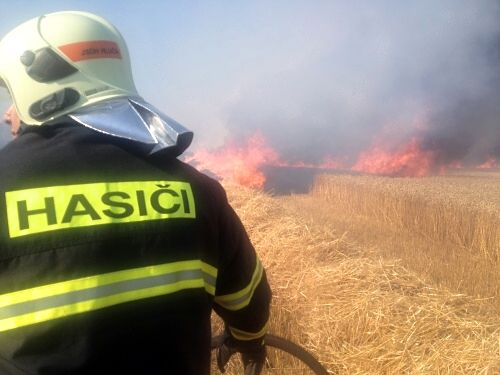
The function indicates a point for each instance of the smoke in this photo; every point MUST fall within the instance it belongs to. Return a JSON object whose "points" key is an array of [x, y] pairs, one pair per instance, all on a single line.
{"points": [[325, 77], [343, 75], [468, 124]]}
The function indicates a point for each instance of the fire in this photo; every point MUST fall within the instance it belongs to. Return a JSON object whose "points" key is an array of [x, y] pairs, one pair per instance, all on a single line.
{"points": [[408, 160], [328, 162], [241, 163], [490, 163], [237, 163]]}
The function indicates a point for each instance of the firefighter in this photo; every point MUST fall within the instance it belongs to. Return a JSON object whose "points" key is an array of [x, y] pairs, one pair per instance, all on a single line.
{"points": [[113, 252]]}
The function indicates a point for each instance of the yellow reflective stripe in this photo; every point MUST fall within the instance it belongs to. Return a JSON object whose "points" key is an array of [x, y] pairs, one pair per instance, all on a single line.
{"points": [[45, 209], [104, 279], [238, 300], [246, 336], [81, 307], [74, 297], [212, 271]]}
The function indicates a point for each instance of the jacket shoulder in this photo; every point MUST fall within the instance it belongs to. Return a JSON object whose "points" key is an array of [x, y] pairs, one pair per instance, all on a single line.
{"points": [[200, 179]]}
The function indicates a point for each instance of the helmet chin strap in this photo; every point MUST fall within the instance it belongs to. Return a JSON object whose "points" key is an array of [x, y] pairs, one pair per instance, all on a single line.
{"points": [[134, 119]]}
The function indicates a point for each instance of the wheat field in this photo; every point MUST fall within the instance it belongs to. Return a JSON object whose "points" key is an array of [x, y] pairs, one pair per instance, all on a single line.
{"points": [[363, 309], [454, 222]]}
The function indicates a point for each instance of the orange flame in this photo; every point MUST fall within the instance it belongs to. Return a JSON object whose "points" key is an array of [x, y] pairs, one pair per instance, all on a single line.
{"points": [[242, 163], [490, 163], [238, 163], [409, 160], [328, 162]]}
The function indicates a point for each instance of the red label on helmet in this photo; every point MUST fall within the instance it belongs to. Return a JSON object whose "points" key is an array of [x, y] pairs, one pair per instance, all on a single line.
{"points": [[95, 49]]}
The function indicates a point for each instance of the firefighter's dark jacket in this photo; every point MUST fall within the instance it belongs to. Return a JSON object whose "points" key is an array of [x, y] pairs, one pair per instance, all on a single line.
{"points": [[111, 261]]}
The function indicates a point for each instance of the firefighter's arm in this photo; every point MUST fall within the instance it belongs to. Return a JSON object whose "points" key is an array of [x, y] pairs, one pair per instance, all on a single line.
{"points": [[243, 294]]}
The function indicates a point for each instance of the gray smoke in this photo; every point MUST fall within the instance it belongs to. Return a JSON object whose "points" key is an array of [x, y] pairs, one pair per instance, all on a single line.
{"points": [[328, 77], [467, 127], [364, 70]]}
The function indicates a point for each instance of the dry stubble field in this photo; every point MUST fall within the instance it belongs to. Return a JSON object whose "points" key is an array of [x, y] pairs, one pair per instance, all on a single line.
{"points": [[383, 276]]}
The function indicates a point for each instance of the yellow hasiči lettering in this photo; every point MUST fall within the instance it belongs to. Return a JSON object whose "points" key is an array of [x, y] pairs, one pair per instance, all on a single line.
{"points": [[51, 208]]}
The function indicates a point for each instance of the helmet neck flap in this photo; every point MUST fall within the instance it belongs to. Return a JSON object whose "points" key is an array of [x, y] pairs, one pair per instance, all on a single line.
{"points": [[134, 119]]}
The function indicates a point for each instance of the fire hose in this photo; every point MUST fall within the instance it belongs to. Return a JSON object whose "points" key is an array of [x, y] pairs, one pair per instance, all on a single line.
{"points": [[286, 346]]}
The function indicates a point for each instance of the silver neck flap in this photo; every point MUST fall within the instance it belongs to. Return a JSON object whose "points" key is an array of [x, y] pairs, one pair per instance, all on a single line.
{"points": [[134, 119]]}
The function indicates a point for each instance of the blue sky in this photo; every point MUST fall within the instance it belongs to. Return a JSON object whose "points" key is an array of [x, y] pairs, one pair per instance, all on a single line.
{"points": [[324, 75]]}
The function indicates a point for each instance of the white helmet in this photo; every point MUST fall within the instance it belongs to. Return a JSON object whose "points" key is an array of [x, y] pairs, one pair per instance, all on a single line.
{"points": [[62, 61], [77, 64]]}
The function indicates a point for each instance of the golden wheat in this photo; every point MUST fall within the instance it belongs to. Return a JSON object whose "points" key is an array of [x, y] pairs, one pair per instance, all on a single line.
{"points": [[454, 223], [358, 313]]}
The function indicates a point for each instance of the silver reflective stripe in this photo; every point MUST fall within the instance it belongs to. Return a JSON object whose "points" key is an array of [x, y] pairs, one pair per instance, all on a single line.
{"points": [[102, 291], [64, 298]]}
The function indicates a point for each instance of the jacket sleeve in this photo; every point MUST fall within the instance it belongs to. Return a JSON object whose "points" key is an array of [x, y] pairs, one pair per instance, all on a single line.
{"points": [[243, 295]]}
